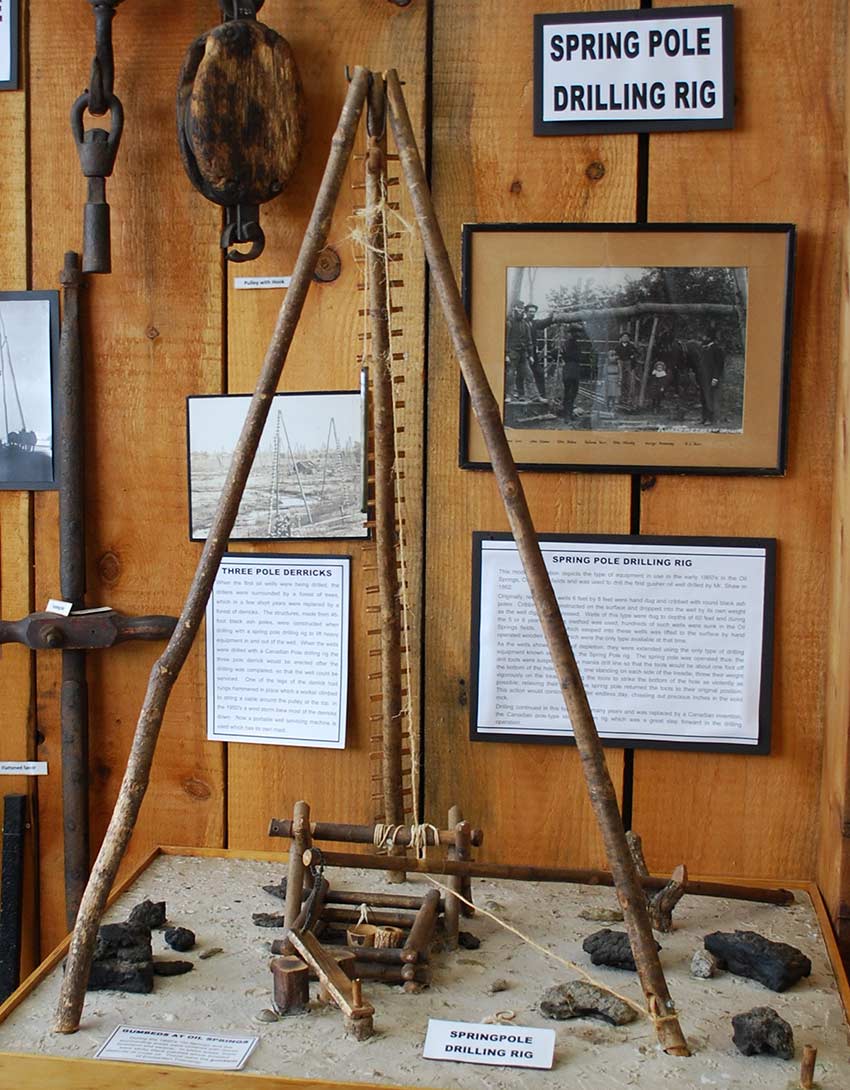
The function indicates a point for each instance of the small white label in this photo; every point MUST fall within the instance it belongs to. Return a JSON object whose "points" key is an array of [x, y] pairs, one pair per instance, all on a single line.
{"points": [[165, 1046], [501, 1046], [23, 768], [243, 282], [56, 605]]}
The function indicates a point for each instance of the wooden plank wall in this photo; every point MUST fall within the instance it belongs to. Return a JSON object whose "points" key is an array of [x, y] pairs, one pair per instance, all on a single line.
{"points": [[167, 323]]}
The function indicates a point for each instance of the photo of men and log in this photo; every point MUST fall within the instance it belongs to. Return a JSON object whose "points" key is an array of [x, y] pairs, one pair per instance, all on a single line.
{"points": [[26, 392], [655, 349], [307, 480]]}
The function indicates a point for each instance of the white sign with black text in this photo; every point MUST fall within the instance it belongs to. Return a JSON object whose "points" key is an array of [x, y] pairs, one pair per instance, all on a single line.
{"points": [[277, 650], [498, 1045], [175, 1048], [633, 71], [673, 638]]}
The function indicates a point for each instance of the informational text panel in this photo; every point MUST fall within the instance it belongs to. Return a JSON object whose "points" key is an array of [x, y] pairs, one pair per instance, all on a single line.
{"points": [[673, 638]]}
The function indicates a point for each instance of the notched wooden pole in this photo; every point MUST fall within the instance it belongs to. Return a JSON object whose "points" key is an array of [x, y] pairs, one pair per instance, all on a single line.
{"points": [[167, 668], [600, 787]]}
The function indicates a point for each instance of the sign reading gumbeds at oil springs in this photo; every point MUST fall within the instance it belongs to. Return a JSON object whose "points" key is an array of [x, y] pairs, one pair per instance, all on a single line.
{"points": [[673, 638], [633, 71], [277, 650]]}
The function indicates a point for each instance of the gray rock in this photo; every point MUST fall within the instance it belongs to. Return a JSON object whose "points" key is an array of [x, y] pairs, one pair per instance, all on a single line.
{"points": [[211, 953], [266, 1015], [149, 914], [762, 1030], [268, 919], [612, 948], [601, 915], [180, 938], [171, 967], [497, 986], [580, 1000], [746, 953], [704, 965]]}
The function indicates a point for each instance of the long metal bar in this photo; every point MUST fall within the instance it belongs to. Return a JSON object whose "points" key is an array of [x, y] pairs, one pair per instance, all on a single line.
{"points": [[72, 580], [167, 668], [600, 788], [11, 892]]}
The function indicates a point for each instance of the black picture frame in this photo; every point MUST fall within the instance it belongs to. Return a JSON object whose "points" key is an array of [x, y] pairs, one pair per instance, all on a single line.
{"points": [[750, 440], [9, 29], [29, 334], [725, 13], [201, 510], [759, 747]]}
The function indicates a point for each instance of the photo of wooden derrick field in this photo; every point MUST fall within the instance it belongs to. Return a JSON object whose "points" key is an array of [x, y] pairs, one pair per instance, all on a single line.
{"points": [[26, 423], [626, 349], [307, 480]]}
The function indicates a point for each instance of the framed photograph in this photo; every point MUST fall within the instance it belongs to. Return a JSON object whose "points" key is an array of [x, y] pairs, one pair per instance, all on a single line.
{"points": [[308, 478], [644, 348], [8, 45], [29, 344], [673, 637]]}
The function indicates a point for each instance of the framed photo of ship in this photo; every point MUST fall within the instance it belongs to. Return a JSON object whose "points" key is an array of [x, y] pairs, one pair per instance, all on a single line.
{"points": [[29, 344], [648, 348]]}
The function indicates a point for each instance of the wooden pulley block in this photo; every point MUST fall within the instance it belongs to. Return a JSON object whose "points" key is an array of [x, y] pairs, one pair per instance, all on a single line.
{"points": [[240, 123]]}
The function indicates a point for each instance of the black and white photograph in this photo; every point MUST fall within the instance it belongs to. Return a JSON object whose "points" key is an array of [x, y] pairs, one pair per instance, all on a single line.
{"points": [[307, 480], [625, 349], [649, 348], [29, 333], [8, 45]]}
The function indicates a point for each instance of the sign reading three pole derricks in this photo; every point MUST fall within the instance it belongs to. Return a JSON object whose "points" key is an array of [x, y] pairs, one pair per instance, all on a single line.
{"points": [[633, 71]]}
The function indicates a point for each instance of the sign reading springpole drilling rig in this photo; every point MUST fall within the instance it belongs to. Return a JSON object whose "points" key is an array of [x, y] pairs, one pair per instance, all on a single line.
{"points": [[277, 650], [633, 71], [673, 637]]}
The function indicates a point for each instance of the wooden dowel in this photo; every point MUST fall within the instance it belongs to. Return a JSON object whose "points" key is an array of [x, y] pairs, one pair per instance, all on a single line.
{"points": [[463, 833], [600, 788], [376, 900], [295, 874], [382, 917], [517, 872], [419, 940], [344, 833], [452, 913], [393, 974], [167, 668], [807, 1067]]}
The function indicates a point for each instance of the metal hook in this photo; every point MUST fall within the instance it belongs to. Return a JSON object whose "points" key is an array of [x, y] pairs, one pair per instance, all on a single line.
{"points": [[242, 225]]}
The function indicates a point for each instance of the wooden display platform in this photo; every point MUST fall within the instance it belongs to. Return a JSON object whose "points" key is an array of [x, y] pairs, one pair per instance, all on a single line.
{"points": [[26, 1071]]}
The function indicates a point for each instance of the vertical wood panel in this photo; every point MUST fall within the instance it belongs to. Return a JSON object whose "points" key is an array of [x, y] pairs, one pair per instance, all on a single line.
{"points": [[17, 733], [488, 167], [784, 161], [153, 335], [325, 36]]}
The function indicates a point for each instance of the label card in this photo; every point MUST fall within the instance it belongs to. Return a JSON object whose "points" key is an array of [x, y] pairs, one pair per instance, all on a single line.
{"points": [[241, 283], [172, 1047], [56, 605], [501, 1046], [23, 768]]}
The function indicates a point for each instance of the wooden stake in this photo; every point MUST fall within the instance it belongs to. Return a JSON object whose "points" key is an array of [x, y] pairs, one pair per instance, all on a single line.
{"points": [[419, 940], [167, 668], [452, 913], [807, 1067], [600, 788], [291, 988], [296, 871]]}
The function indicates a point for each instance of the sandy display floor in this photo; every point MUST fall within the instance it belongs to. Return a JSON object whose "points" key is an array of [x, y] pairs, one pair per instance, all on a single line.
{"points": [[224, 994]]}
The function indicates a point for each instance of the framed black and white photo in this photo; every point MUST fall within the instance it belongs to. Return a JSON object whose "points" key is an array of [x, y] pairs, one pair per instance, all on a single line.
{"points": [[308, 478], [673, 637], [29, 341], [8, 45], [658, 348]]}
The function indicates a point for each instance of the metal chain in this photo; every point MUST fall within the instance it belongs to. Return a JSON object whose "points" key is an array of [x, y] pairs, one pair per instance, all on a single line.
{"points": [[102, 77], [240, 9]]}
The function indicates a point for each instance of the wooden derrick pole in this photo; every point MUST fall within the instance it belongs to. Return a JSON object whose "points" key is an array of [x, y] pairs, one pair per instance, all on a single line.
{"points": [[384, 430], [600, 788], [167, 668]]}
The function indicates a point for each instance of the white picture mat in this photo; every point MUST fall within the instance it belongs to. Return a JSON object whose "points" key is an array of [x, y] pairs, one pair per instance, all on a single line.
{"points": [[668, 639], [277, 650], [7, 22], [134, 1044]]}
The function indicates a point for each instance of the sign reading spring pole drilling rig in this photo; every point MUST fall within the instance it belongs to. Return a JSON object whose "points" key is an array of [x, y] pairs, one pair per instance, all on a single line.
{"points": [[633, 71]]}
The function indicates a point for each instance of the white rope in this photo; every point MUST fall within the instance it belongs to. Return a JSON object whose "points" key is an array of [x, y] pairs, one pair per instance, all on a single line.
{"points": [[364, 914]]}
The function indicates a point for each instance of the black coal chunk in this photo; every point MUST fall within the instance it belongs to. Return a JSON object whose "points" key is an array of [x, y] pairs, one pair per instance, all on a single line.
{"points": [[762, 1030], [612, 948], [467, 941], [149, 914], [180, 938], [123, 960], [172, 967], [746, 953]]}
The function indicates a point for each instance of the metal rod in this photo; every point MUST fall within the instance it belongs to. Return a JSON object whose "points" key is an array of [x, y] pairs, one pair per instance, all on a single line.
{"points": [[365, 834], [12, 892], [600, 788], [74, 699], [520, 873], [168, 666]]}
